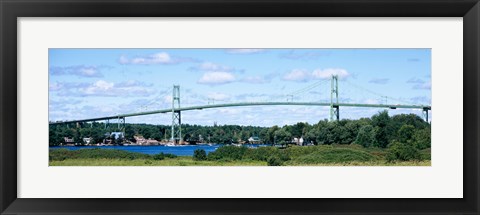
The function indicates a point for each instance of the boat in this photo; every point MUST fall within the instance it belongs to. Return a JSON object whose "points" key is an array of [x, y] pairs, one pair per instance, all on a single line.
{"points": [[170, 144]]}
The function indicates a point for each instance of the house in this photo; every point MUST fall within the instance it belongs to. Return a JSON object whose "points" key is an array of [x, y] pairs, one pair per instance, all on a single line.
{"points": [[151, 141], [117, 135], [140, 140], [69, 141], [87, 140], [254, 140], [298, 141]]}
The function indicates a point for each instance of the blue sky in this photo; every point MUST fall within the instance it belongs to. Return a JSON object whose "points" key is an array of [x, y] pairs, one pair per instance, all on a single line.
{"points": [[87, 83]]}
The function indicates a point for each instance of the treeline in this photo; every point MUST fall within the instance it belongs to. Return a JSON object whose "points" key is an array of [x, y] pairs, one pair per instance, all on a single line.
{"points": [[191, 133], [378, 131]]}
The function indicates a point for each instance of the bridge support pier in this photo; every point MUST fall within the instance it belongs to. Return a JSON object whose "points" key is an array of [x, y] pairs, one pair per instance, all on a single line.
{"points": [[121, 124], [425, 114], [107, 124], [335, 113], [176, 116]]}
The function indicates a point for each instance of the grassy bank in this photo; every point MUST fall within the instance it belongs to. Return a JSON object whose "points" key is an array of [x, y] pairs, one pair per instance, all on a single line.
{"points": [[188, 161], [178, 161], [322, 155]]}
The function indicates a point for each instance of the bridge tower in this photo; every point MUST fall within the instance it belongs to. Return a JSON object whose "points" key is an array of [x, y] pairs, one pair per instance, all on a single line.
{"points": [[334, 108], [176, 116]]}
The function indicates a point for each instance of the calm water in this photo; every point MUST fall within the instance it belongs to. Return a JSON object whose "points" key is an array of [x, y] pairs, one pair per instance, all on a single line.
{"points": [[176, 150]]}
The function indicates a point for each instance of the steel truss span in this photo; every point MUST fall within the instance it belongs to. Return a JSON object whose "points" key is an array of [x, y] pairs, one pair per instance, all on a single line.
{"points": [[240, 104]]}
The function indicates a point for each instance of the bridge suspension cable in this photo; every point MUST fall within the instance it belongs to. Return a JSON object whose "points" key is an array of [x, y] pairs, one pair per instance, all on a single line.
{"points": [[155, 102], [307, 88], [381, 96], [292, 94]]}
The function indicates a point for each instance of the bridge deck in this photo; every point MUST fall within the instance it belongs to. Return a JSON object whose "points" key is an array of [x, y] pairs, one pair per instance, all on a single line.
{"points": [[200, 107]]}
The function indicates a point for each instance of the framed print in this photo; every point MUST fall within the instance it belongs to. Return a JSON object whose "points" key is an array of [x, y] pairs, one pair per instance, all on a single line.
{"points": [[239, 107]]}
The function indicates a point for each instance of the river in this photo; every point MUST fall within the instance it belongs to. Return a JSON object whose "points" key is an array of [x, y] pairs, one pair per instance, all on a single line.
{"points": [[182, 150]]}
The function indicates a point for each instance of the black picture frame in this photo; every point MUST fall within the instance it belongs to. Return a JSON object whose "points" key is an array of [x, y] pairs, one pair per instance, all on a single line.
{"points": [[10, 10]]}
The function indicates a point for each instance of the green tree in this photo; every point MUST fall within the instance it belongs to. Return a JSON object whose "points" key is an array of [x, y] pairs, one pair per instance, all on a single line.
{"points": [[366, 136], [384, 129], [297, 130], [271, 134], [282, 136], [312, 135], [422, 138], [352, 128], [405, 134]]}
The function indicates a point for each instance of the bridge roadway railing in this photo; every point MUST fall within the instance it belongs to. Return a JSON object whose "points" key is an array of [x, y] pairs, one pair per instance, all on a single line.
{"points": [[200, 107]]}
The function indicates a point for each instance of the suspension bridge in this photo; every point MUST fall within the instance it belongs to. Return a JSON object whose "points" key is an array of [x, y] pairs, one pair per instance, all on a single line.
{"points": [[176, 109]]}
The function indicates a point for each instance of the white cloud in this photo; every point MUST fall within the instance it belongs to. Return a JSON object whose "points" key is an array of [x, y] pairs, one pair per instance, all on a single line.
{"points": [[327, 73], [421, 100], [297, 75], [123, 60], [301, 75], [214, 67], [254, 80], [214, 78], [78, 70], [416, 81], [295, 55], [97, 87], [103, 88], [167, 99], [424, 86], [218, 96], [244, 51], [156, 58], [371, 101], [230, 111], [209, 66], [420, 84], [55, 86]]}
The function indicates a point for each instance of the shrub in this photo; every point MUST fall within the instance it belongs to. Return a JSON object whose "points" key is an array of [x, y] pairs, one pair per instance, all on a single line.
{"points": [[228, 153], [261, 153], [62, 154], [167, 155], [296, 151], [334, 155], [274, 161], [159, 156], [402, 152], [425, 154], [199, 155]]}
